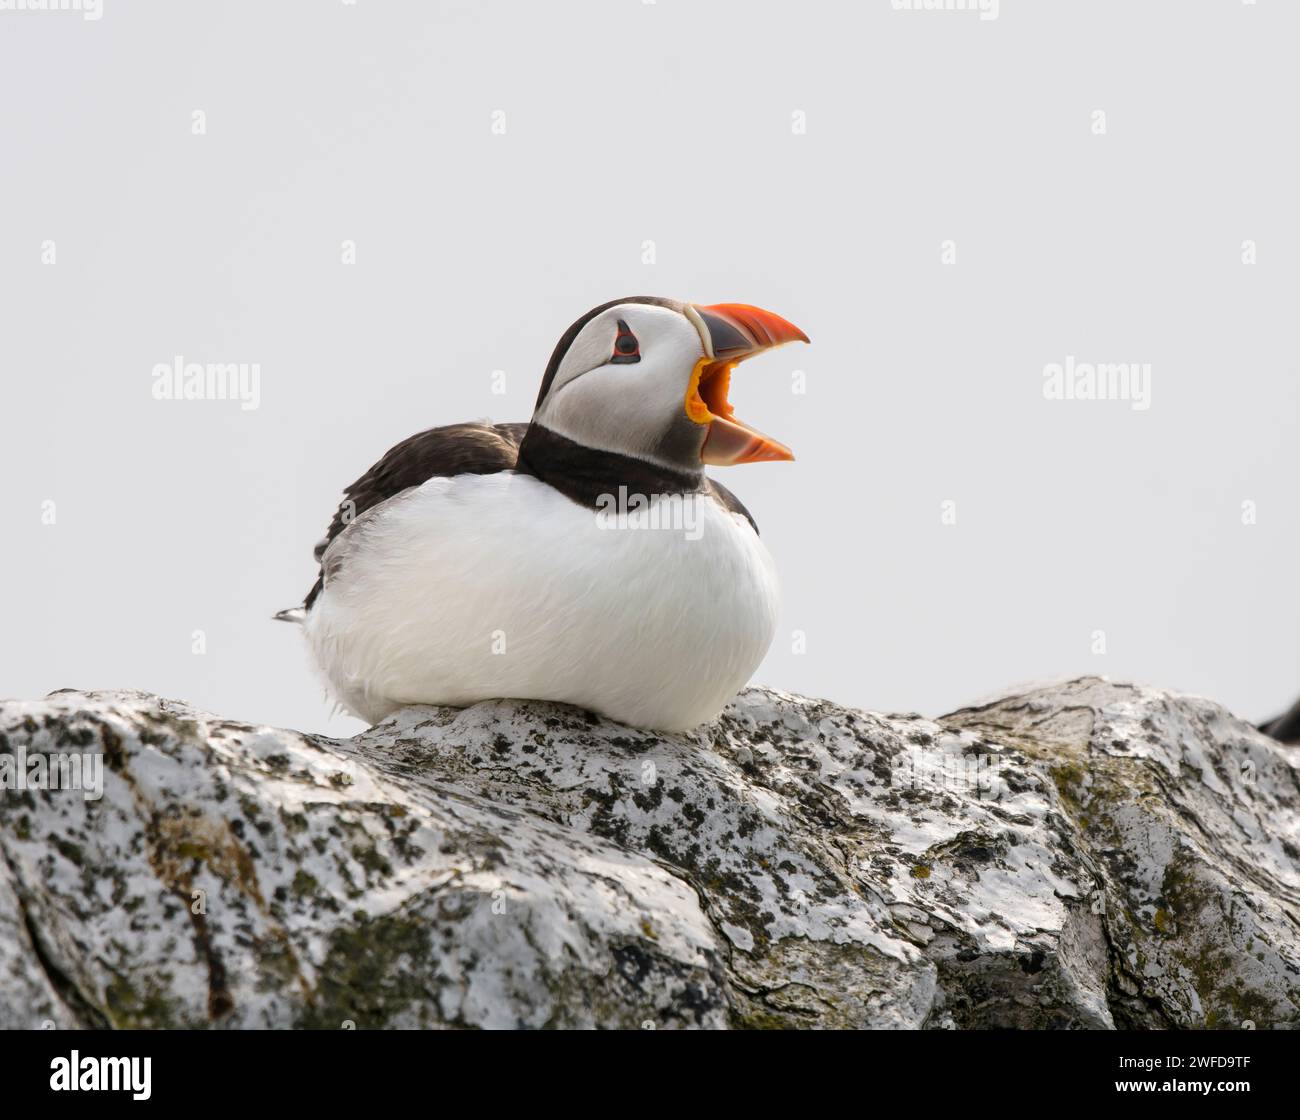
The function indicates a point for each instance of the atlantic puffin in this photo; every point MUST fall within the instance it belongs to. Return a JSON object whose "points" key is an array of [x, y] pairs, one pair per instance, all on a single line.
{"points": [[485, 561]]}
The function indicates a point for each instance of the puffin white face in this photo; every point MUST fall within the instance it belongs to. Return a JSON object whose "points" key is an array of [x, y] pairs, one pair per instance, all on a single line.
{"points": [[648, 378]]}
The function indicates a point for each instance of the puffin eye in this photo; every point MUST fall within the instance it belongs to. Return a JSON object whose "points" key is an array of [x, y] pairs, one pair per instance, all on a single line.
{"points": [[626, 347]]}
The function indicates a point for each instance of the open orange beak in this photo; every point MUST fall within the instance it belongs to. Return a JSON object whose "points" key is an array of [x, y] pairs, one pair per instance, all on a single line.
{"points": [[732, 332]]}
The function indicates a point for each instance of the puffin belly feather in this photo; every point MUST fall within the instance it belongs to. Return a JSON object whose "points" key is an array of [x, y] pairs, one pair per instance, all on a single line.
{"points": [[479, 587]]}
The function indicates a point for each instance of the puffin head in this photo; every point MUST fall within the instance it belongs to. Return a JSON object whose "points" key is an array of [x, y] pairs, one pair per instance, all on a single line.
{"points": [[648, 378]]}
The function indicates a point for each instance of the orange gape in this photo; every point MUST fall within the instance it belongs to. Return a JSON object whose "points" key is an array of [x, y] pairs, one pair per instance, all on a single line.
{"points": [[697, 408], [737, 331]]}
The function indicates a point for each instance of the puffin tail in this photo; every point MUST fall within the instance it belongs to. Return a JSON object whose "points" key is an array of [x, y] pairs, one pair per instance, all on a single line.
{"points": [[1284, 728], [293, 614]]}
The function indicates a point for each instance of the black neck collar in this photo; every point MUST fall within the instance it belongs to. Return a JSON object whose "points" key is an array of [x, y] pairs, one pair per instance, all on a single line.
{"points": [[584, 474]]}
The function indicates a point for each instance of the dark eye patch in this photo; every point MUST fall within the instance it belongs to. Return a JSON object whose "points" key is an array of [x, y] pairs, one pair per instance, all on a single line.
{"points": [[626, 348]]}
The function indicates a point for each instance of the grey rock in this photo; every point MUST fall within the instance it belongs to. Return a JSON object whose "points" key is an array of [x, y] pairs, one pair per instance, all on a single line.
{"points": [[1087, 854]]}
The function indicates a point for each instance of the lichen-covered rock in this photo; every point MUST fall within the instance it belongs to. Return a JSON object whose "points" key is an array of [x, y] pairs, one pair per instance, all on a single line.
{"points": [[1087, 854]]}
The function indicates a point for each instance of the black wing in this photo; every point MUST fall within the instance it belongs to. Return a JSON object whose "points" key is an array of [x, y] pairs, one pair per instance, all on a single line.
{"points": [[437, 453], [730, 501]]}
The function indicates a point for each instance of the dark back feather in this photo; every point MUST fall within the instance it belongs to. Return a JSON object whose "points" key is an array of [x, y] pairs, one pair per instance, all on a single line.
{"points": [[436, 453]]}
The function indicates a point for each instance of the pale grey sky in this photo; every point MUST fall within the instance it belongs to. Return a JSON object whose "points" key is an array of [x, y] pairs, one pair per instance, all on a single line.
{"points": [[672, 123]]}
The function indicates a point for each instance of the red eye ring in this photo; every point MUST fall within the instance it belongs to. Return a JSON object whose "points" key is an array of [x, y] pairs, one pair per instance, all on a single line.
{"points": [[626, 347]]}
